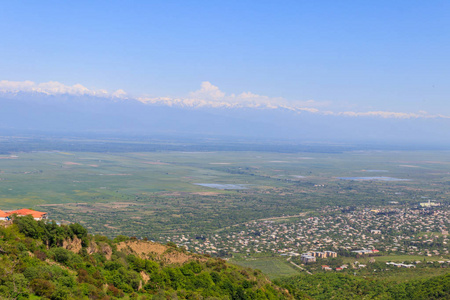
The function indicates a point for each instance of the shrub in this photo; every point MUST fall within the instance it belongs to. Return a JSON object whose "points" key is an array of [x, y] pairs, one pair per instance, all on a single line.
{"points": [[62, 255], [113, 291], [121, 238], [40, 255], [60, 294], [42, 287]]}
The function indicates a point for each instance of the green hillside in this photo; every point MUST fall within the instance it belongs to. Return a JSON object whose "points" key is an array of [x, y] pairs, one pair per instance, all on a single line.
{"points": [[42, 260], [36, 263]]}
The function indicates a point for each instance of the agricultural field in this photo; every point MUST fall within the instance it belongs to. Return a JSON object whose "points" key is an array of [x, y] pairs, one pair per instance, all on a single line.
{"points": [[273, 267], [159, 194]]}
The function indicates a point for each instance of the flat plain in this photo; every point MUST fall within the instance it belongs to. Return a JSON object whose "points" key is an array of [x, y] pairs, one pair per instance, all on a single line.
{"points": [[158, 194]]}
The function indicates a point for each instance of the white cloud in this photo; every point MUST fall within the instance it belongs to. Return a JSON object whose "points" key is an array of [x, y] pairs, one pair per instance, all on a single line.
{"points": [[208, 91], [208, 95], [54, 88]]}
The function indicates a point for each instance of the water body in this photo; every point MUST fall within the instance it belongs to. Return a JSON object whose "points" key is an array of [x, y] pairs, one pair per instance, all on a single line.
{"points": [[224, 186], [376, 178], [376, 171]]}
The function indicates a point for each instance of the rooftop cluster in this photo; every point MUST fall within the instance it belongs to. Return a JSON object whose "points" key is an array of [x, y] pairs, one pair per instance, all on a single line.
{"points": [[403, 230]]}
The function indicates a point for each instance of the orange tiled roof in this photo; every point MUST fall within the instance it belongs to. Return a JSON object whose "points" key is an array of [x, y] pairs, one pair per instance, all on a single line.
{"points": [[3, 214], [26, 211]]}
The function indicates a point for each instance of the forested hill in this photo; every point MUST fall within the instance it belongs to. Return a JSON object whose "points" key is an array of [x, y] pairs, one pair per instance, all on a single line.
{"points": [[41, 260]]}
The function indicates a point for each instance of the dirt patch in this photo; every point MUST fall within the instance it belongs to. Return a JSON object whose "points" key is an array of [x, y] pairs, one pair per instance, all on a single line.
{"points": [[172, 194], [206, 193], [154, 163], [141, 247], [177, 258], [145, 249], [113, 205], [71, 163], [110, 227]]}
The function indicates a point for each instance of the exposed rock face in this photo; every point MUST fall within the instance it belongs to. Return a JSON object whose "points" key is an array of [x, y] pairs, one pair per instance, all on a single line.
{"points": [[105, 249], [145, 277], [73, 245], [145, 249], [141, 247], [92, 248]]}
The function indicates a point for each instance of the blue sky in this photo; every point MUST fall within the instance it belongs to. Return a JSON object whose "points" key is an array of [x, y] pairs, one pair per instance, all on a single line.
{"points": [[356, 56]]}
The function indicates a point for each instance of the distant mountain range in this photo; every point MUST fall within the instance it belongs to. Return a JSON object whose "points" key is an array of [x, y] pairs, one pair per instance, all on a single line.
{"points": [[33, 111]]}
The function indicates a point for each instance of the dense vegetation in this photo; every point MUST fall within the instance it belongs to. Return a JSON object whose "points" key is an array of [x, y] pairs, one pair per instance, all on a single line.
{"points": [[33, 264], [339, 286]]}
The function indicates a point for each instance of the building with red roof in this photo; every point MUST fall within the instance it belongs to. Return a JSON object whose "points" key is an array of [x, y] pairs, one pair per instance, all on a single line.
{"points": [[3, 215], [37, 215]]}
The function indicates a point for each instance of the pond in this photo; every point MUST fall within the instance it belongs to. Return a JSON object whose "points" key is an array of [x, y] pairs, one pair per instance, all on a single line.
{"points": [[223, 186]]}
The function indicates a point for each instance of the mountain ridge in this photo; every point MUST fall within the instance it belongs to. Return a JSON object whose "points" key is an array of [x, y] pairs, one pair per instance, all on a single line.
{"points": [[94, 114]]}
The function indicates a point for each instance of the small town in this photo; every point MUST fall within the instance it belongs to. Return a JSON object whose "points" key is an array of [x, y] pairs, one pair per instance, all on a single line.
{"points": [[359, 231]]}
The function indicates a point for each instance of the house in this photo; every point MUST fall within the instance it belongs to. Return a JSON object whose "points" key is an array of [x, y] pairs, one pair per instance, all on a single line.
{"points": [[330, 254], [321, 254], [306, 258], [37, 215], [3, 215], [364, 251]]}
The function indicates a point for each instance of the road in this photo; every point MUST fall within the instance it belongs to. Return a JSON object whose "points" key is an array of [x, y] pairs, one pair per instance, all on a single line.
{"points": [[289, 260]]}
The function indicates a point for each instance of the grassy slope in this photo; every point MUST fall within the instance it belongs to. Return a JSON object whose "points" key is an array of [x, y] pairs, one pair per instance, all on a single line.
{"points": [[272, 267]]}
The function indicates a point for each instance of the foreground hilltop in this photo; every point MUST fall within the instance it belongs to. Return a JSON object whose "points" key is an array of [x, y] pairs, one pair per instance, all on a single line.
{"points": [[44, 260]]}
